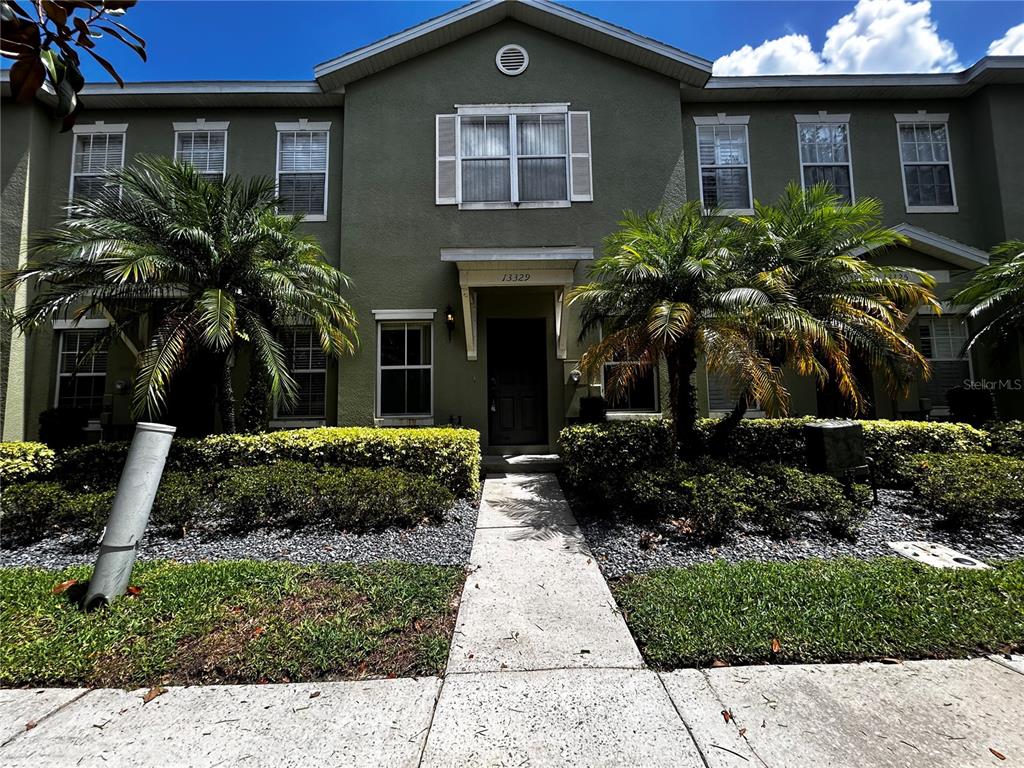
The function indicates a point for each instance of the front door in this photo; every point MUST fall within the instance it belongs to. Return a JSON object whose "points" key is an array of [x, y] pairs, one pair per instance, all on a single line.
{"points": [[516, 376]]}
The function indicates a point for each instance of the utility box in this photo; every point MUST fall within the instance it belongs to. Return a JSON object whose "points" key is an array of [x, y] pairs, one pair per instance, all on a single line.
{"points": [[835, 447]]}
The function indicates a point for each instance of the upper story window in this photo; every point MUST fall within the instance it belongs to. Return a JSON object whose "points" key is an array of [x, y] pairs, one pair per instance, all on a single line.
{"points": [[927, 163], [204, 146], [308, 365], [302, 150], [825, 152], [97, 149], [724, 159], [505, 156]]}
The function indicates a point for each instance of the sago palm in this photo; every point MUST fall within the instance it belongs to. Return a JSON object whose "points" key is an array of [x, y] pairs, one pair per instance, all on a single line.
{"points": [[209, 264], [995, 294], [818, 247], [673, 286]]}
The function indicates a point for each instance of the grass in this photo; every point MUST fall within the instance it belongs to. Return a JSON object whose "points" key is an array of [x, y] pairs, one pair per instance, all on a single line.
{"points": [[822, 611], [229, 622]]}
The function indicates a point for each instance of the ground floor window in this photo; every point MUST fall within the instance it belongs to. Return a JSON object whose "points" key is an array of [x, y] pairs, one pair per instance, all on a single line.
{"points": [[81, 371], [641, 397], [308, 365], [942, 342], [723, 395], [404, 369]]}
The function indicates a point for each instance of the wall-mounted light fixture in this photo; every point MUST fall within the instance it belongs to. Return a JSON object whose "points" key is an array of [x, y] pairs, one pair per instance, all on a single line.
{"points": [[449, 320]]}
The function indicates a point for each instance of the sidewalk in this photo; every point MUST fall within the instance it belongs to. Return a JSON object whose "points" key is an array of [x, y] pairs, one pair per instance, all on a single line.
{"points": [[543, 672]]}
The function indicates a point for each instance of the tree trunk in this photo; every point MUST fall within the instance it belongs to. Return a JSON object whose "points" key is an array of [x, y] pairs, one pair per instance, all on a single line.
{"points": [[682, 363], [226, 393], [725, 427]]}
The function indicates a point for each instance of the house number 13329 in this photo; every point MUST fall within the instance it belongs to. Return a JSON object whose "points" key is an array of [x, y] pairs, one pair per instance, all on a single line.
{"points": [[515, 277]]}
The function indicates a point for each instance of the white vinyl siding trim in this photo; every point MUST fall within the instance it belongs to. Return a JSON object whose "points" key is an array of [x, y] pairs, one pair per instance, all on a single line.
{"points": [[729, 143], [926, 161], [303, 158], [823, 145], [206, 149], [409, 362], [95, 149]]}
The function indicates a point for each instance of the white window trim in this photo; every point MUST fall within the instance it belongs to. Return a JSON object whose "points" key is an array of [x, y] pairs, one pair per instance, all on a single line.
{"points": [[98, 127], [385, 315], [926, 117], [723, 119], [510, 111], [824, 117], [85, 324], [409, 418], [304, 125], [626, 413], [201, 125], [93, 423]]}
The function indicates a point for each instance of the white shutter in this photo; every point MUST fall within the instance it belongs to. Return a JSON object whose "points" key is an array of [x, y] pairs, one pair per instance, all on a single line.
{"points": [[446, 160], [579, 156]]}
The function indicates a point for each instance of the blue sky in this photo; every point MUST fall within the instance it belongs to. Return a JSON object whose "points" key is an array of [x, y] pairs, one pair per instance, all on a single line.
{"points": [[235, 40]]}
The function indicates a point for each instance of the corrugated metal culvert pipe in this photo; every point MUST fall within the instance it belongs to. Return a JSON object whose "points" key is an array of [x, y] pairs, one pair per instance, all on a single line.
{"points": [[130, 513]]}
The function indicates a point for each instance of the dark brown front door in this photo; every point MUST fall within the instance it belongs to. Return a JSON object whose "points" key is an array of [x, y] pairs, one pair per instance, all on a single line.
{"points": [[516, 376]]}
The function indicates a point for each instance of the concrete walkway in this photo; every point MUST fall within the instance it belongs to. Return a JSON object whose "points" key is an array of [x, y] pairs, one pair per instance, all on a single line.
{"points": [[543, 672]]}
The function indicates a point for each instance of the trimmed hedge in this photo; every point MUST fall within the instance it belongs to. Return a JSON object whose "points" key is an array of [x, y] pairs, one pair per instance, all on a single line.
{"points": [[280, 494], [450, 456], [1007, 438], [25, 461], [599, 458], [969, 489]]}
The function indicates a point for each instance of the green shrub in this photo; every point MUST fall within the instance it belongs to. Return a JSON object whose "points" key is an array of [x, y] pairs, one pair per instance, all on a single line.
{"points": [[784, 496], [271, 496], [25, 461], [598, 458], [757, 440], [891, 443], [1007, 438], [84, 512], [969, 489], [450, 456], [182, 497], [27, 510]]}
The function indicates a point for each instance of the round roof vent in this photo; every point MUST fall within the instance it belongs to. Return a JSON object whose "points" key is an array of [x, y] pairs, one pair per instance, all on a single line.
{"points": [[512, 59]]}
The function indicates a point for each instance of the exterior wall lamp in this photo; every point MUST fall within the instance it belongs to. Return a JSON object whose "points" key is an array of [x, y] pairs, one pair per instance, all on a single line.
{"points": [[449, 320]]}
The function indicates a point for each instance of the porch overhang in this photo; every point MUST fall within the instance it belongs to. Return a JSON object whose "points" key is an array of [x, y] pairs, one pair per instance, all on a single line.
{"points": [[515, 268]]}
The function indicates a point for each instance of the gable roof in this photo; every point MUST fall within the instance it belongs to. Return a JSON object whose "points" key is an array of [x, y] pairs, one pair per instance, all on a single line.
{"points": [[549, 16], [942, 247]]}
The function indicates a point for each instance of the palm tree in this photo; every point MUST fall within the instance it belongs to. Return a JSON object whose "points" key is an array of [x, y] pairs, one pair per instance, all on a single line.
{"points": [[211, 266], [815, 243], [674, 285], [996, 292]]}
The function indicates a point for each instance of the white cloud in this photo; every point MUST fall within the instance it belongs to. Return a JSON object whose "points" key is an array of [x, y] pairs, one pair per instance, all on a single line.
{"points": [[876, 36], [1010, 44]]}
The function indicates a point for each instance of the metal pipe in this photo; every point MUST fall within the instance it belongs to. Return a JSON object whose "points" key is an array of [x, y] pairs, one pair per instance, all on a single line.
{"points": [[129, 516]]}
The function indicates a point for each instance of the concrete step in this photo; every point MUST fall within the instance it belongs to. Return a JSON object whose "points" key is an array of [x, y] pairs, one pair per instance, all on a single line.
{"points": [[529, 463]]}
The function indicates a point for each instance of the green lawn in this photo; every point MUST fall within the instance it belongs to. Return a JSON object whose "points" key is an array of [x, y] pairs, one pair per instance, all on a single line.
{"points": [[822, 611], [229, 622]]}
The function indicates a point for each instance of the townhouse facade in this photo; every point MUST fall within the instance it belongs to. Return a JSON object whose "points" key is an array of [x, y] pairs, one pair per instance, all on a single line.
{"points": [[464, 173]]}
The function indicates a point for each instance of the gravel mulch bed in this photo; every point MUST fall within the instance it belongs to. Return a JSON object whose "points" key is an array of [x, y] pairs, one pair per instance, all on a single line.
{"points": [[446, 544], [618, 547]]}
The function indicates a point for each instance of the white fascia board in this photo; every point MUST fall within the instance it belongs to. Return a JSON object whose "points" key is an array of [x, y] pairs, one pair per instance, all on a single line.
{"points": [[202, 125], [517, 254], [823, 117], [942, 247], [404, 314], [721, 119], [100, 127]]}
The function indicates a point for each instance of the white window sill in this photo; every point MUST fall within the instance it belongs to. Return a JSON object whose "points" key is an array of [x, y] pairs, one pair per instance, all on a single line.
{"points": [[403, 421], [748, 415], [933, 209], [314, 217], [736, 211], [283, 423], [633, 415], [504, 206]]}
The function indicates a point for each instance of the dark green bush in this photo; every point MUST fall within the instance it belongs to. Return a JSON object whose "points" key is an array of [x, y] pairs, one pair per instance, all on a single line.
{"points": [[757, 440], [450, 456], [891, 443], [85, 512], [969, 490], [182, 497], [597, 459], [20, 461], [27, 510], [63, 428], [784, 497], [1007, 438]]}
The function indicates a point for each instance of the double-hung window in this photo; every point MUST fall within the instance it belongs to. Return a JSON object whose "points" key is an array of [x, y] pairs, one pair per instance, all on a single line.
{"points": [[724, 159], [942, 342], [308, 366], [927, 163], [204, 146], [302, 151], [81, 371], [825, 152], [405, 369], [97, 149], [505, 156]]}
